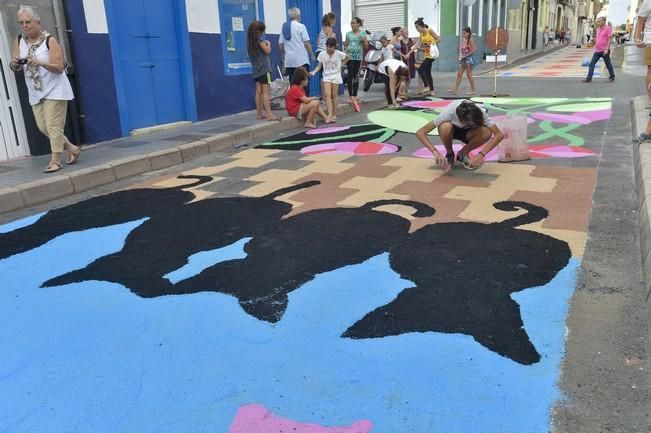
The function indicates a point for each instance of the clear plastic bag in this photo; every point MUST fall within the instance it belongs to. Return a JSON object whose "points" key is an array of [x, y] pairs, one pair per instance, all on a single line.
{"points": [[514, 146]]}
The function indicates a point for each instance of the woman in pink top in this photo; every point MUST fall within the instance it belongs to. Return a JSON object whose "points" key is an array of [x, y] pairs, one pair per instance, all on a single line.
{"points": [[602, 49]]}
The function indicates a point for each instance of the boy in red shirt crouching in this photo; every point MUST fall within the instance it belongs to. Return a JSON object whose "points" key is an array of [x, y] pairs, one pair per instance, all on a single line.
{"points": [[300, 106]]}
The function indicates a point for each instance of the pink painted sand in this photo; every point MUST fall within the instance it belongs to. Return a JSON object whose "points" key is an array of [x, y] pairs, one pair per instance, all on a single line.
{"points": [[327, 130], [428, 104], [536, 152], [361, 148], [562, 118], [255, 418]]}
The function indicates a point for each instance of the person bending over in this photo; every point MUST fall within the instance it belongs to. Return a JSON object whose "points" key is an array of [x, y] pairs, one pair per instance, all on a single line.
{"points": [[392, 73], [462, 120]]}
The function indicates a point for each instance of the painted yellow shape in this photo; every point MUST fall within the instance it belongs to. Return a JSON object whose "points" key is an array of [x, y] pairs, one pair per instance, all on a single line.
{"points": [[251, 158], [373, 188], [272, 180], [327, 164], [511, 178]]}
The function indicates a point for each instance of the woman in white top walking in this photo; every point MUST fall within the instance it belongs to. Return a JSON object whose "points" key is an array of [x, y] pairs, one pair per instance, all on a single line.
{"points": [[40, 56]]}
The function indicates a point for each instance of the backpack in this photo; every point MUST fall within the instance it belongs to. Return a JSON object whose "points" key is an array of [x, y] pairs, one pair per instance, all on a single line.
{"points": [[47, 40], [47, 45]]}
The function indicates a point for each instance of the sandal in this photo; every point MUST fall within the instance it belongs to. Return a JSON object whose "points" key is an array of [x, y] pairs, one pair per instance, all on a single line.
{"points": [[73, 157], [52, 167]]}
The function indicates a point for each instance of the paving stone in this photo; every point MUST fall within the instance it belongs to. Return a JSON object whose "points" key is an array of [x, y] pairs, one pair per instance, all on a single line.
{"points": [[219, 142], [128, 167], [244, 137], [46, 189], [165, 158], [194, 150], [91, 177], [10, 199]]}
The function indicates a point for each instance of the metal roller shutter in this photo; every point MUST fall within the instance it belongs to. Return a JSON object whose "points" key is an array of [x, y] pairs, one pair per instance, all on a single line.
{"points": [[381, 15]]}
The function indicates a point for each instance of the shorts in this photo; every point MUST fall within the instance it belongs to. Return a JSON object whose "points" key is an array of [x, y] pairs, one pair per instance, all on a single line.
{"points": [[460, 134], [299, 114], [647, 55], [467, 61], [264, 78]]}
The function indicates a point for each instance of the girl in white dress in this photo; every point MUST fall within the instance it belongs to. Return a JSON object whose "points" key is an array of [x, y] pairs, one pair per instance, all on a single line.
{"points": [[330, 61]]}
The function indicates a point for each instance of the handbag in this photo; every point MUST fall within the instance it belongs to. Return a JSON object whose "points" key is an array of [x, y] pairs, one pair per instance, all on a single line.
{"points": [[434, 51]]}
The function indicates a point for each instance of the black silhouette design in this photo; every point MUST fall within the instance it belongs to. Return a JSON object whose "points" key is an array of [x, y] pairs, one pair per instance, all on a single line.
{"points": [[360, 133], [101, 211], [164, 242], [298, 248], [464, 274]]}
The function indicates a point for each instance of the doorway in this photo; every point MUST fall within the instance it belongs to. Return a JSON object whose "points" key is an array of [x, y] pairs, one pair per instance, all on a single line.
{"points": [[311, 14], [13, 141], [152, 62]]}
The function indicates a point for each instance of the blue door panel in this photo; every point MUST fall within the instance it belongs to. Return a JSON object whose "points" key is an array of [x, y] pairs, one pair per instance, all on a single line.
{"points": [[150, 63], [164, 54], [311, 13], [168, 92], [140, 94]]}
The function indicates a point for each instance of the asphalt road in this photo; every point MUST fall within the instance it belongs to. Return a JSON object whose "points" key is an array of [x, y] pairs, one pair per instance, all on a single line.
{"points": [[427, 311]]}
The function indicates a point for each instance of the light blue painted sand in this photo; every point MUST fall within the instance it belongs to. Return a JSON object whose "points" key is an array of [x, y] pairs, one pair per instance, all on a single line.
{"points": [[203, 260], [19, 224], [93, 357]]}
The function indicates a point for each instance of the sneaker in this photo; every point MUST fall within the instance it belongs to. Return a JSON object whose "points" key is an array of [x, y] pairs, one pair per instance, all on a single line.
{"points": [[586, 81], [643, 138], [465, 161]]}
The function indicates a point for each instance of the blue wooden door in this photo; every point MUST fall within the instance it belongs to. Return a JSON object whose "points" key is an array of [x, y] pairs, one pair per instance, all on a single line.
{"points": [[149, 61], [311, 14]]}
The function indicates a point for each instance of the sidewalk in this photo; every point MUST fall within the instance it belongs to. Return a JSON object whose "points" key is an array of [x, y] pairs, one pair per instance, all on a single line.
{"points": [[23, 183], [642, 159]]}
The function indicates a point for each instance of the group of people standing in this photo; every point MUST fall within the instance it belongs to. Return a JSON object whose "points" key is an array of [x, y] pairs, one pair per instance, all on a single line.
{"points": [[560, 36], [401, 58]]}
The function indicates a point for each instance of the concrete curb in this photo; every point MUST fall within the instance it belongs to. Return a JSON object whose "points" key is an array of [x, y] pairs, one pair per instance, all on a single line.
{"points": [[62, 185], [642, 162]]}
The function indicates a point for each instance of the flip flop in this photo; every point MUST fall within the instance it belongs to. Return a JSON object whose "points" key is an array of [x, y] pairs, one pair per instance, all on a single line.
{"points": [[73, 157], [52, 167]]}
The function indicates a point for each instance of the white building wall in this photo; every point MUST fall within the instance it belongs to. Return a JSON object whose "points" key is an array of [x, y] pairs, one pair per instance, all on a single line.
{"points": [[429, 10], [275, 14], [203, 16], [95, 15]]}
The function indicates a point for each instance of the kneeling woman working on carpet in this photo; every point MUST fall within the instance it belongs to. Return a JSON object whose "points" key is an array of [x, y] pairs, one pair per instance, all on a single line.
{"points": [[462, 120]]}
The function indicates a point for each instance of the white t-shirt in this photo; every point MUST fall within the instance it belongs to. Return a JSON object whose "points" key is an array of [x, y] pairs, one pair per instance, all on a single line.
{"points": [[332, 66], [392, 64], [387, 52], [449, 114], [645, 12], [295, 52]]}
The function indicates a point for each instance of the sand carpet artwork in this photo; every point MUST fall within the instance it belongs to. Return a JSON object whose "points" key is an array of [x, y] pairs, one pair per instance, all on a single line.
{"points": [[332, 281], [569, 62], [553, 123]]}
